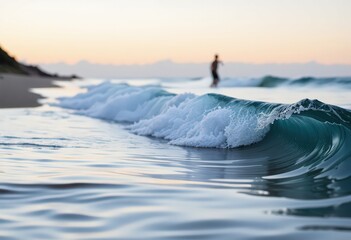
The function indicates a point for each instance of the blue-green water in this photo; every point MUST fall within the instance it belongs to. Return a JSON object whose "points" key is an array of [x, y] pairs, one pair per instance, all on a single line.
{"points": [[141, 163]]}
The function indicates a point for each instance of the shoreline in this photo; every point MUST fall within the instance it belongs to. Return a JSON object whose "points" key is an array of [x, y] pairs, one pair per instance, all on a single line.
{"points": [[15, 90]]}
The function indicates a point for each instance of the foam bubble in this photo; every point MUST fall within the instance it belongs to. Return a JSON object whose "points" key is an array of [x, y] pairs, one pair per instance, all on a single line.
{"points": [[184, 119]]}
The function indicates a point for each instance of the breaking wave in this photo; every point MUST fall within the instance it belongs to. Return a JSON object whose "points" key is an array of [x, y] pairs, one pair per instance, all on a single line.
{"points": [[210, 120], [308, 138]]}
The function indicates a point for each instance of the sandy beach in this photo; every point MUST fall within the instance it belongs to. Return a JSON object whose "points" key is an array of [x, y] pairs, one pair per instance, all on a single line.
{"points": [[15, 90]]}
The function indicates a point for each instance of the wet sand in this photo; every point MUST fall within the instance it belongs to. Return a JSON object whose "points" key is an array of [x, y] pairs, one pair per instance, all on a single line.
{"points": [[15, 90]]}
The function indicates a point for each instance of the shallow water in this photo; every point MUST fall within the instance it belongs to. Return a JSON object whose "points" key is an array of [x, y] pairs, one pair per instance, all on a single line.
{"points": [[67, 176]]}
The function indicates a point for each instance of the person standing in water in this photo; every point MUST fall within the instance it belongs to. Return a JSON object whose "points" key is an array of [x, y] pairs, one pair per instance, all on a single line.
{"points": [[214, 66]]}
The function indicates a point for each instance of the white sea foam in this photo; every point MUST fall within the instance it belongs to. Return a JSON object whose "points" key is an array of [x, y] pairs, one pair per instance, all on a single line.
{"points": [[184, 119]]}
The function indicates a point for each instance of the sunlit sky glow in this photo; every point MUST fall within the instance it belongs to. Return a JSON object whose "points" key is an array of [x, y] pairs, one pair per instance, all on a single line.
{"points": [[145, 31]]}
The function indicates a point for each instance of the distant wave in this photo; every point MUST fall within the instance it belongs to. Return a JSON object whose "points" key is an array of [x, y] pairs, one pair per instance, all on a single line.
{"points": [[271, 82]]}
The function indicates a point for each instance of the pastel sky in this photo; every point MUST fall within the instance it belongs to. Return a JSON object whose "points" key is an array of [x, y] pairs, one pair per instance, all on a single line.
{"points": [[145, 31]]}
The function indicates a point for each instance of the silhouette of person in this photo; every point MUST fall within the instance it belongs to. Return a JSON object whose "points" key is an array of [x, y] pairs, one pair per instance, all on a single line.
{"points": [[214, 66]]}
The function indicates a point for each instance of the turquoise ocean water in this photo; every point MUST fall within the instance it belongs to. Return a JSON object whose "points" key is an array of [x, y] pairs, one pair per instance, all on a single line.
{"points": [[265, 158]]}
